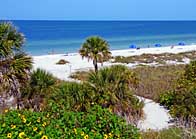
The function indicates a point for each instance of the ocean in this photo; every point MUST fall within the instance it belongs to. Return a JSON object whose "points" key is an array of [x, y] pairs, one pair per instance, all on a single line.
{"points": [[43, 37]]}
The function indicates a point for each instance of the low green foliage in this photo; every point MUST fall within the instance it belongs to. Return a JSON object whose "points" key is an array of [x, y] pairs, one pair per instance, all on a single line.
{"points": [[154, 81], [158, 58], [62, 62], [112, 87], [181, 100], [72, 96], [80, 75], [39, 87], [171, 133], [96, 123]]}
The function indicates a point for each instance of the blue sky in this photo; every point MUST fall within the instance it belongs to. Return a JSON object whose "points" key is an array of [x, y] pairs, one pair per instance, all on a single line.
{"points": [[98, 9]]}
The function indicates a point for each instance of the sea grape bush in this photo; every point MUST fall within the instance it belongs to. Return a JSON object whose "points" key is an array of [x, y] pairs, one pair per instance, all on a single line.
{"points": [[181, 100], [97, 123]]}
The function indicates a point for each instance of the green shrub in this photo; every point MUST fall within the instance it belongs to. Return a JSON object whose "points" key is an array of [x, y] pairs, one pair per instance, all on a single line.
{"points": [[72, 96], [158, 58], [39, 87], [155, 80], [62, 62], [113, 88], [181, 100], [97, 123], [171, 133], [80, 75]]}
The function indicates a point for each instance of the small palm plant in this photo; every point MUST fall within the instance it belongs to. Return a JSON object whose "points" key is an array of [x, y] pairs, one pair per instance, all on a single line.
{"points": [[96, 49], [112, 88], [41, 85]]}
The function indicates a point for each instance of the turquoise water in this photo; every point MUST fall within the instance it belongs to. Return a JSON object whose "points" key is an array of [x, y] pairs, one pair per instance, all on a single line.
{"points": [[43, 37]]}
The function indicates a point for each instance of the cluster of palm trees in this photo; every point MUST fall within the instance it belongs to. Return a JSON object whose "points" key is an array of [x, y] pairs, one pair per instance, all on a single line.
{"points": [[15, 65], [108, 87]]}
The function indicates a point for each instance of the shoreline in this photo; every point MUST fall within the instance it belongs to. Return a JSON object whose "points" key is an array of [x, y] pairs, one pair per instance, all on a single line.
{"points": [[132, 52], [76, 63]]}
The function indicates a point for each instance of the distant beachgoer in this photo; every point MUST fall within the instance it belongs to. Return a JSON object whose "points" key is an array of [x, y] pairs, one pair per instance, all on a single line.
{"points": [[66, 54], [172, 47]]}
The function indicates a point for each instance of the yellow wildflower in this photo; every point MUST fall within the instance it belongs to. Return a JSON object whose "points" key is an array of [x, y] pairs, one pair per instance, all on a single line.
{"points": [[105, 136], [44, 124], [27, 138], [110, 135], [75, 130], [24, 120], [86, 137], [82, 134], [9, 135], [3, 125], [13, 126], [6, 110], [22, 116], [19, 114], [44, 137], [47, 115], [38, 120], [29, 124], [41, 132], [35, 129], [21, 135]]}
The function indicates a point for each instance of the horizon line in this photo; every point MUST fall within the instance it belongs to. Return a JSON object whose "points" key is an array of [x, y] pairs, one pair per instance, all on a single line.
{"points": [[91, 20]]}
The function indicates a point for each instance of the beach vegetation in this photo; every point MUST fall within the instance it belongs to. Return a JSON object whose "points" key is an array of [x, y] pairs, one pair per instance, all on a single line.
{"points": [[95, 49], [80, 75], [153, 80], [112, 86], [156, 80], [95, 123], [72, 96], [39, 87], [181, 100], [170, 133], [156, 58], [62, 62], [15, 65]]}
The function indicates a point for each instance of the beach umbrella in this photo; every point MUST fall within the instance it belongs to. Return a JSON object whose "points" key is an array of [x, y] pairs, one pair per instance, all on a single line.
{"points": [[132, 46], [181, 43], [158, 45]]}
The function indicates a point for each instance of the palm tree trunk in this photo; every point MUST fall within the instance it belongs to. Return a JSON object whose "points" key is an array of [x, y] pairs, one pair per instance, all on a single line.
{"points": [[95, 65]]}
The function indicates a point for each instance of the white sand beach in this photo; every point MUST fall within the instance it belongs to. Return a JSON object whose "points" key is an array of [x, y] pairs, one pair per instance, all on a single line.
{"points": [[156, 117]]}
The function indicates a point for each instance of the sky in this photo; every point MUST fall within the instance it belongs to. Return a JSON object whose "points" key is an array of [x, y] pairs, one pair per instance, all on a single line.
{"points": [[97, 10]]}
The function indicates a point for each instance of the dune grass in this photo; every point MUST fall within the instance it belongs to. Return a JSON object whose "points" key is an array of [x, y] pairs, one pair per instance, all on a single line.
{"points": [[171, 133], [157, 58], [157, 80], [152, 80]]}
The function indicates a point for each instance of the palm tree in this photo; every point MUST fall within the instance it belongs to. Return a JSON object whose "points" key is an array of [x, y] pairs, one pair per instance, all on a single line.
{"points": [[112, 89], [96, 49], [73, 96], [14, 64], [40, 86]]}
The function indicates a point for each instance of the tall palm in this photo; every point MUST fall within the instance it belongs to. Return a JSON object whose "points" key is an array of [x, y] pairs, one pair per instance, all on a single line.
{"points": [[14, 64], [96, 49]]}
